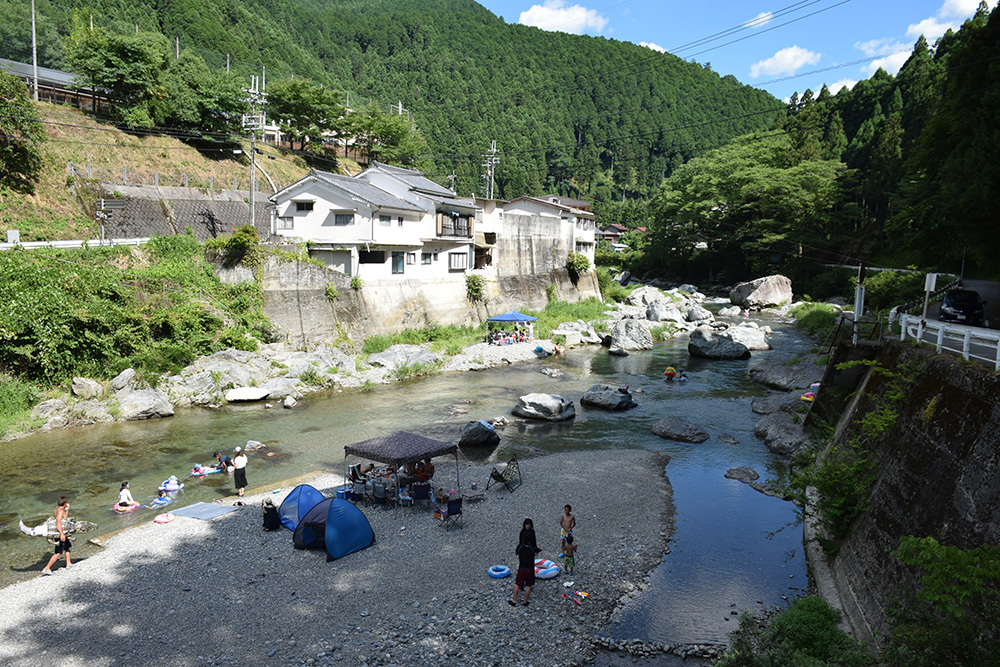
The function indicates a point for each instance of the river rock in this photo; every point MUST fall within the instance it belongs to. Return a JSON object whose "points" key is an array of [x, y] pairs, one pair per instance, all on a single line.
{"points": [[546, 407], [781, 432], [145, 404], [643, 296], [767, 292], [675, 428], [664, 311], [727, 438], [246, 394], [123, 379], [586, 331], [618, 352], [704, 342], [91, 412], [46, 409], [698, 313], [254, 446], [87, 388], [631, 335], [749, 335], [786, 378], [400, 355], [289, 402], [608, 397], [765, 405], [479, 434], [729, 311], [744, 474]]}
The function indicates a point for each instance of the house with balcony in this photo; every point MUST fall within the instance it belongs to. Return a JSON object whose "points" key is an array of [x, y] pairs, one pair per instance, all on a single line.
{"points": [[361, 229]]}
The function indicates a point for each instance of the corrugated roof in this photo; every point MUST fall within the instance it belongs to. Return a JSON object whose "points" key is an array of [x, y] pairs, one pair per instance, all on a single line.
{"points": [[365, 191], [414, 179], [51, 77]]}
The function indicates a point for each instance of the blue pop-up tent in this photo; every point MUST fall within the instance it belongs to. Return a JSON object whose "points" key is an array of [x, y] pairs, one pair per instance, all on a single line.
{"points": [[512, 316], [336, 524], [299, 500]]}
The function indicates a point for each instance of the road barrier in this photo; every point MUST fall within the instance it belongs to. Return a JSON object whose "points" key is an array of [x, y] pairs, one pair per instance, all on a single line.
{"points": [[970, 342]]}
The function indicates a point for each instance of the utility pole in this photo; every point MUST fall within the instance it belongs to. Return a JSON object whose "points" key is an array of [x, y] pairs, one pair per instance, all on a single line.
{"points": [[227, 63], [451, 179], [34, 50], [177, 48], [253, 122], [491, 162]]}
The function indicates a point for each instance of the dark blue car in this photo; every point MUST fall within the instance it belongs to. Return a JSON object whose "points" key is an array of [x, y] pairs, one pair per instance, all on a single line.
{"points": [[962, 306]]}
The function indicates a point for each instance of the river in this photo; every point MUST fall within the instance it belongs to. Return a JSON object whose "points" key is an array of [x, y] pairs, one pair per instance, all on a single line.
{"points": [[733, 548]]}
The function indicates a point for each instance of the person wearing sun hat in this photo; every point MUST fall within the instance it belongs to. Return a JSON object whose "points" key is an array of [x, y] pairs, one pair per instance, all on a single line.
{"points": [[240, 472]]}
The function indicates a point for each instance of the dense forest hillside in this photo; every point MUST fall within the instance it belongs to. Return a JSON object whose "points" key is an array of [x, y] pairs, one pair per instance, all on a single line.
{"points": [[574, 114]]}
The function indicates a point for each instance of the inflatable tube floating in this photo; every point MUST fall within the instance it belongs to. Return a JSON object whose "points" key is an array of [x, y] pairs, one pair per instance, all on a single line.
{"points": [[499, 571], [159, 502], [171, 485], [545, 569], [809, 396], [164, 518], [201, 471], [128, 508], [669, 373]]}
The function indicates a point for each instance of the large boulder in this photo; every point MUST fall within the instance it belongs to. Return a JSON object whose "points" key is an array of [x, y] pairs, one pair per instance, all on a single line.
{"points": [[546, 407], [643, 296], [729, 311], [781, 431], [675, 428], [608, 397], [765, 405], [87, 388], [585, 331], [123, 379], [697, 313], [767, 292], [145, 404], [704, 342], [749, 335], [479, 434], [786, 378], [403, 355], [631, 335], [664, 311]]}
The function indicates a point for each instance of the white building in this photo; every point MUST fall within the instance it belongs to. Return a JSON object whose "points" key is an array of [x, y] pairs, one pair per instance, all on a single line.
{"points": [[577, 223]]}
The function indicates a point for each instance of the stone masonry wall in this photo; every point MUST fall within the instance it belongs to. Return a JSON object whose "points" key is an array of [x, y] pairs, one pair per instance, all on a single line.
{"points": [[939, 476]]}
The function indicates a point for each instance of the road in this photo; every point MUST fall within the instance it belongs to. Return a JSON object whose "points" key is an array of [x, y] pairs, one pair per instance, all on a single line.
{"points": [[989, 292]]}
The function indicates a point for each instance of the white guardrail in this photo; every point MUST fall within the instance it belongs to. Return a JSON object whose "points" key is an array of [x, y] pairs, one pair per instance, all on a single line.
{"points": [[93, 243], [969, 342]]}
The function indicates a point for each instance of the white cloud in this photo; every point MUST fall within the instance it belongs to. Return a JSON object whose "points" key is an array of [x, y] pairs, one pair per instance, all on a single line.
{"points": [[835, 87], [554, 15], [655, 47], [785, 61], [877, 47], [949, 16], [760, 20], [890, 63]]}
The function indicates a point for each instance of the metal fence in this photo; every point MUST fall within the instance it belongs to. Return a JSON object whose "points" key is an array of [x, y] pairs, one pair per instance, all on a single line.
{"points": [[127, 176], [968, 342]]}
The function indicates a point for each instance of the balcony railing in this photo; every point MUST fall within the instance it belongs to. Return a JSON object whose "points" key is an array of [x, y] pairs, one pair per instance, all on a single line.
{"points": [[456, 228]]}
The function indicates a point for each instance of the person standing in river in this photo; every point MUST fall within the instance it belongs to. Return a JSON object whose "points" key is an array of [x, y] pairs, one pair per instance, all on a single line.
{"points": [[240, 472], [61, 513]]}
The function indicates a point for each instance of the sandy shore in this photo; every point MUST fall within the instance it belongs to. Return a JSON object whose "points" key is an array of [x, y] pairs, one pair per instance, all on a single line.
{"points": [[224, 592]]}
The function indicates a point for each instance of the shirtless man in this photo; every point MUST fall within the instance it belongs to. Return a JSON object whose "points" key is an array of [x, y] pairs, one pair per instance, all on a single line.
{"points": [[61, 513], [567, 522]]}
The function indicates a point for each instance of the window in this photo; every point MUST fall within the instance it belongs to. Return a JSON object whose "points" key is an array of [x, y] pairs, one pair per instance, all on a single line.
{"points": [[397, 262], [286, 222], [425, 258], [371, 256], [458, 261], [343, 219], [399, 221], [411, 258], [385, 220], [435, 255], [303, 206]]}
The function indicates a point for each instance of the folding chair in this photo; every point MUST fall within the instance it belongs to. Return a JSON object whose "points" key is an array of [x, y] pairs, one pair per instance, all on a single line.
{"points": [[379, 495], [359, 493], [506, 477], [421, 493], [451, 515], [354, 473]]}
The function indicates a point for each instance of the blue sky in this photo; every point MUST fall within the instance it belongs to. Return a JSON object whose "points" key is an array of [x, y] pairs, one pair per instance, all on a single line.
{"points": [[782, 47]]}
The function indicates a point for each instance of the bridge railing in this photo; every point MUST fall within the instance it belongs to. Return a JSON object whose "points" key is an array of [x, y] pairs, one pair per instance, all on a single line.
{"points": [[969, 342], [92, 243]]}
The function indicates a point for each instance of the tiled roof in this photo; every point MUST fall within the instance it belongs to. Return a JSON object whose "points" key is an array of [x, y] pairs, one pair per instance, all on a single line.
{"points": [[365, 191], [47, 76], [414, 179]]}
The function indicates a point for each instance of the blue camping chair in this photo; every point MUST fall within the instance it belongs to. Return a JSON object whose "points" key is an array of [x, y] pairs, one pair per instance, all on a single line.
{"points": [[421, 493], [451, 515]]}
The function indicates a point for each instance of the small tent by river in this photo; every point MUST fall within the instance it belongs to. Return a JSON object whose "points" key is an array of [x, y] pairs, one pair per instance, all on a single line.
{"points": [[299, 500], [336, 524]]}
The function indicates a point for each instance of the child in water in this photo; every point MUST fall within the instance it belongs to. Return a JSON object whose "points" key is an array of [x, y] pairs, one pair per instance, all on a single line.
{"points": [[161, 498]]}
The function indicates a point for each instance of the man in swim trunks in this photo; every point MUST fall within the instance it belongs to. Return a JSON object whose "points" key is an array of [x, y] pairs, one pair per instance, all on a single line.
{"points": [[567, 522], [61, 513]]}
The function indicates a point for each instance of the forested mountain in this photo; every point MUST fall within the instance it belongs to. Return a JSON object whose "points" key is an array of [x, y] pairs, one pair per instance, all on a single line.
{"points": [[900, 170], [574, 114]]}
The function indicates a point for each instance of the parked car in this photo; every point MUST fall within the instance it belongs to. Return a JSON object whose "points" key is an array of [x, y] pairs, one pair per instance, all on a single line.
{"points": [[963, 306]]}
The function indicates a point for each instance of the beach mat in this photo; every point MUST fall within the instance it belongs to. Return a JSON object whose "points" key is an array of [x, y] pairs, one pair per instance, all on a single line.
{"points": [[203, 510]]}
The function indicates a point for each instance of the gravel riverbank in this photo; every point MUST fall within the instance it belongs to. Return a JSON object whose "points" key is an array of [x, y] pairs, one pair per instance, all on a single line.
{"points": [[224, 592]]}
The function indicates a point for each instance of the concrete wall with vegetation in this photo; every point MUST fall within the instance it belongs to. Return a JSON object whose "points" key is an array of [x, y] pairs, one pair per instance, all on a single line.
{"points": [[938, 474]]}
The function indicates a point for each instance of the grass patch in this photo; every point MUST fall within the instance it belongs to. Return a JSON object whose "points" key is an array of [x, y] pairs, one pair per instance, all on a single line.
{"points": [[16, 400], [440, 338], [663, 331], [557, 312], [819, 319], [611, 289]]}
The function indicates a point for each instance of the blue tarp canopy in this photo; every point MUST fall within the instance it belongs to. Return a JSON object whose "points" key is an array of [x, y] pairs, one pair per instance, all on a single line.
{"points": [[512, 316], [299, 500]]}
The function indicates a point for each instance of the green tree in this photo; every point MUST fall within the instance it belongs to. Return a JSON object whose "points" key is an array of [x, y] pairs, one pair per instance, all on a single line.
{"points": [[20, 136], [197, 98], [305, 110], [390, 138]]}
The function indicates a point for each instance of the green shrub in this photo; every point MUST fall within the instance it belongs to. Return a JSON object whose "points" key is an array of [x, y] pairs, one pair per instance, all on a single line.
{"points": [[311, 378], [577, 264], [819, 319], [550, 293], [886, 289], [663, 331], [331, 292], [240, 247], [356, 282], [557, 312], [611, 289], [17, 398], [804, 635], [475, 287]]}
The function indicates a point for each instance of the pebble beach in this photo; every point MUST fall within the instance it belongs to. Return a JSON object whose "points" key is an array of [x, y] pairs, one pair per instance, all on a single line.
{"points": [[224, 592]]}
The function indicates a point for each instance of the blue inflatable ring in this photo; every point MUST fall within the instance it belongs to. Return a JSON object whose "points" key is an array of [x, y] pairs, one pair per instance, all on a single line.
{"points": [[499, 571]]}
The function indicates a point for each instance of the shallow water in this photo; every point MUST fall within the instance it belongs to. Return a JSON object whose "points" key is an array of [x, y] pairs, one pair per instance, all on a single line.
{"points": [[721, 554]]}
